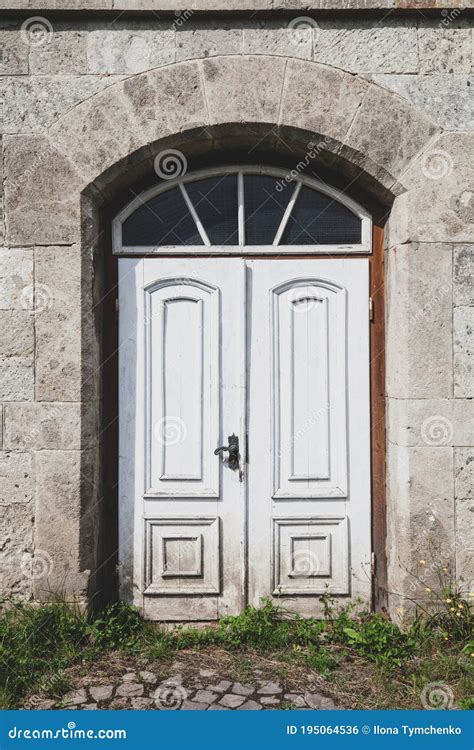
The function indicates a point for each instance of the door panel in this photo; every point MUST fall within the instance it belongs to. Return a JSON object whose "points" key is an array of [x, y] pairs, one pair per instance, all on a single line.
{"points": [[277, 350], [309, 431], [182, 392]]}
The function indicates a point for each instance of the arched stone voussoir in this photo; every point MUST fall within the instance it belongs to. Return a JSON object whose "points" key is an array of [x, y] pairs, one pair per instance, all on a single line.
{"points": [[381, 129]]}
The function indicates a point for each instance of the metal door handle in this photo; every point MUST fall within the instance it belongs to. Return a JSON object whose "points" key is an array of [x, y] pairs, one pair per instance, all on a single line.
{"points": [[232, 449]]}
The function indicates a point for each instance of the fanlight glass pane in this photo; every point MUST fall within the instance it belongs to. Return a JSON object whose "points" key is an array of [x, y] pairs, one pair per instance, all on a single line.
{"points": [[215, 201], [318, 219], [265, 200], [163, 220]]}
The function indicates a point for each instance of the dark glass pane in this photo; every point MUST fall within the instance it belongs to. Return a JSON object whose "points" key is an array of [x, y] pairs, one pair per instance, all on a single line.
{"points": [[215, 200], [265, 201], [163, 220], [317, 219]]}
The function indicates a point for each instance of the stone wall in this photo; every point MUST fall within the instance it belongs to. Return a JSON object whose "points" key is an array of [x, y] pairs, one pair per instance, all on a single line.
{"points": [[389, 96]]}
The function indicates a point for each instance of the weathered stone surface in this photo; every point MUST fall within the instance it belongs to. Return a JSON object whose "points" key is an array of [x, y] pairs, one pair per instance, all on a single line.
{"points": [[101, 692], [207, 40], [367, 46], [444, 49], [243, 89], [130, 677], [463, 352], [76, 697], [16, 278], [267, 701], [139, 704], [63, 485], [464, 473], [439, 203], [320, 99], [16, 333], [60, 324], [1, 425], [16, 477], [295, 699], [41, 206], [35, 102], [64, 54], [274, 39], [205, 696], [130, 690], [44, 425], [232, 701], [410, 130], [191, 706], [131, 115], [419, 321], [319, 702], [270, 688], [220, 687], [464, 531], [446, 99], [129, 47], [420, 541], [249, 706], [430, 422], [240, 689], [14, 54], [463, 274], [149, 677], [16, 378], [16, 542]]}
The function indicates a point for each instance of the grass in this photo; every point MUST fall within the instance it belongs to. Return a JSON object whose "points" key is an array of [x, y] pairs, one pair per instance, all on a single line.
{"points": [[367, 660]]}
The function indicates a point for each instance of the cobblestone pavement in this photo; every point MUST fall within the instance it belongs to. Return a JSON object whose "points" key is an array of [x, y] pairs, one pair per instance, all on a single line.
{"points": [[205, 690]]}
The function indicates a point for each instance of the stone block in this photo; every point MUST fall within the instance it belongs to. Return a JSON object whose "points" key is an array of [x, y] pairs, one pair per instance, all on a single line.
{"points": [[464, 531], [207, 40], [387, 130], [16, 278], [64, 54], [16, 548], [41, 202], [438, 205], [420, 514], [63, 516], [245, 92], [1, 425], [430, 422], [16, 379], [444, 49], [362, 46], [43, 426], [320, 99], [419, 321], [464, 473], [463, 320], [445, 99], [16, 477], [16, 333], [130, 116], [463, 275], [271, 39], [130, 47], [13, 51], [36, 102]]}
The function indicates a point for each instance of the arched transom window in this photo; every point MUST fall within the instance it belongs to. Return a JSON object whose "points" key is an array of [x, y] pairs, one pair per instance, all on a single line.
{"points": [[242, 210]]}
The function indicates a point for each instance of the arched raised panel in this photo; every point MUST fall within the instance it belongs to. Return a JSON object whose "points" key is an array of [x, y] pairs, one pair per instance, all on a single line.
{"points": [[182, 389], [309, 390]]}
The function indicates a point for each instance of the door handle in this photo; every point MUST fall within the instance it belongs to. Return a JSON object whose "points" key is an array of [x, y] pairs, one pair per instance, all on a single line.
{"points": [[232, 449]]}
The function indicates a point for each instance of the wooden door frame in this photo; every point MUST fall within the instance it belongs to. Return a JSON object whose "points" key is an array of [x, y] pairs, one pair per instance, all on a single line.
{"points": [[108, 534]]}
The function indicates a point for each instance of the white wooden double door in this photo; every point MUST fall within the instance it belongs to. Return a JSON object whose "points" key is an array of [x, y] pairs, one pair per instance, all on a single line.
{"points": [[273, 352]]}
